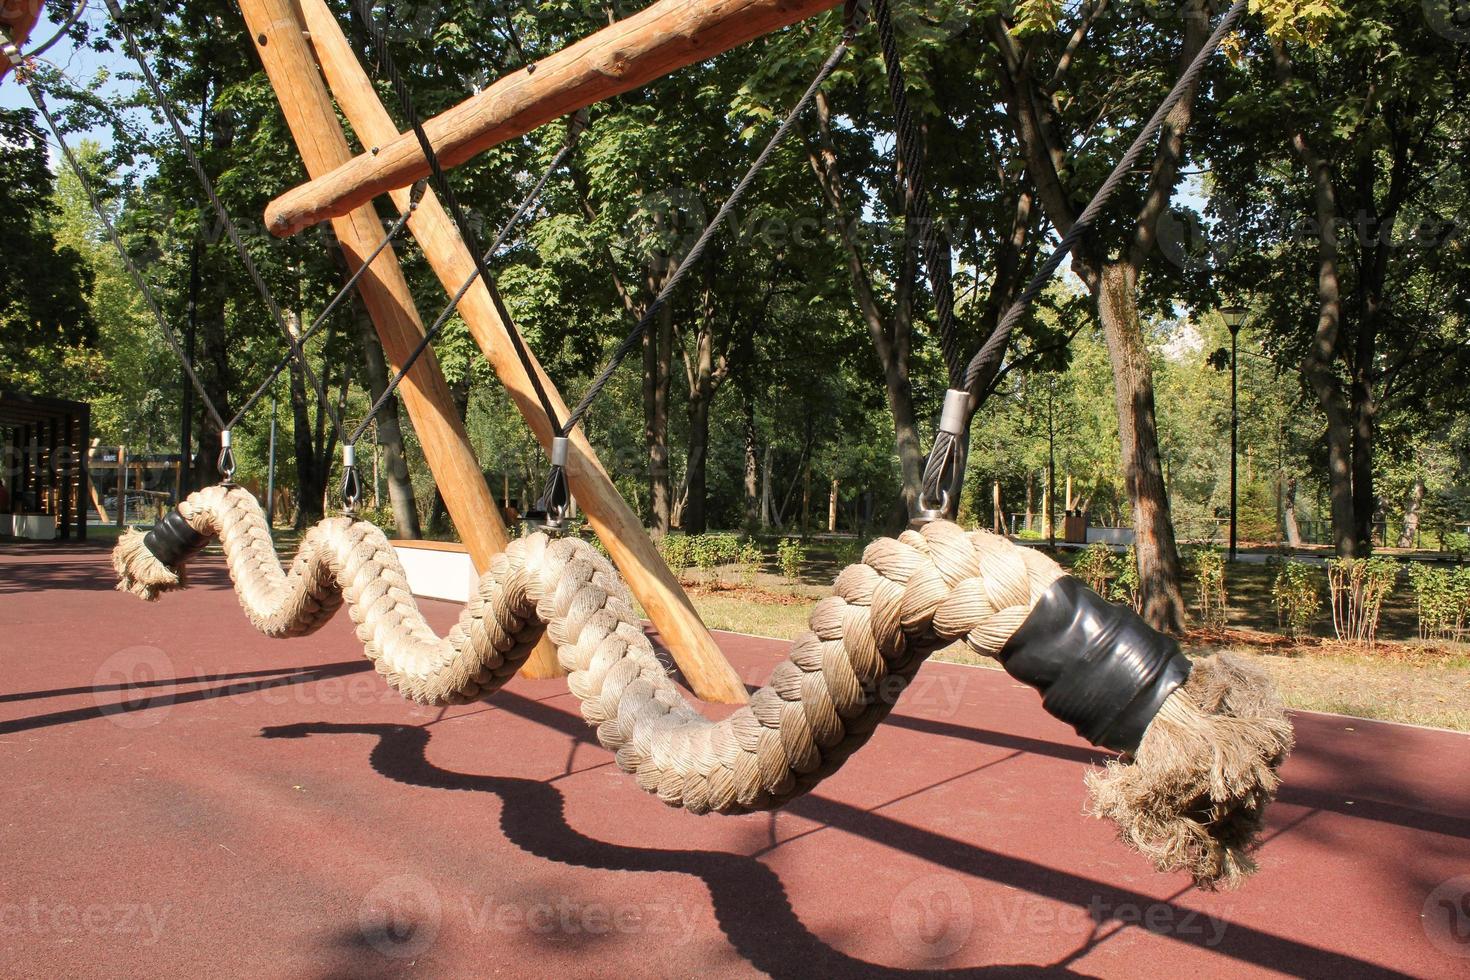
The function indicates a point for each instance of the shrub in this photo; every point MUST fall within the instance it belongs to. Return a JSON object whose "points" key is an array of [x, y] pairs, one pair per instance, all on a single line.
{"points": [[1297, 592], [1359, 586], [848, 553], [1094, 567], [790, 554], [1443, 596], [1127, 587], [1209, 577], [675, 550], [750, 560], [709, 551]]}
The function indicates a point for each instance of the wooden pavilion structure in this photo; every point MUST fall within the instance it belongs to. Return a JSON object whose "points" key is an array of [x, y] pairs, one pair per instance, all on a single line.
{"points": [[44, 442]]}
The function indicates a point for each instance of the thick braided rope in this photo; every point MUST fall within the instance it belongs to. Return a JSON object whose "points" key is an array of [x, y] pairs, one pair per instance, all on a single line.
{"points": [[343, 559], [909, 597]]}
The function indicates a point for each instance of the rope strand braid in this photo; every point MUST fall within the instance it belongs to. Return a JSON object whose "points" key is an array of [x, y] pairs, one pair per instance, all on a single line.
{"points": [[1190, 798]]}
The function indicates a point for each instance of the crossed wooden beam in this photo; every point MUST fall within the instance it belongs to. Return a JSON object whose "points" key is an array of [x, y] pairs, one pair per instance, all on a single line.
{"points": [[308, 61]]}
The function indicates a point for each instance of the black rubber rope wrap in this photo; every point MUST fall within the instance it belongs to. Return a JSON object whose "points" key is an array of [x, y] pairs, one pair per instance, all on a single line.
{"points": [[173, 541], [1098, 665]]}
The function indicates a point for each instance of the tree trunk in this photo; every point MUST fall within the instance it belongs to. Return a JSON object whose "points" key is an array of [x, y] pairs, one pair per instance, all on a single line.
{"points": [[891, 334], [1288, 514], [752, 485], [832, 507], [389, 428], [1410, 529], [1158, 557], [767, 504], [310, 482], [657, 353]]}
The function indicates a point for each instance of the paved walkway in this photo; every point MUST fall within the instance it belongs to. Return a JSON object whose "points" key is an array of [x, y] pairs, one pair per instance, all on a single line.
{"points": [[184, 797]]}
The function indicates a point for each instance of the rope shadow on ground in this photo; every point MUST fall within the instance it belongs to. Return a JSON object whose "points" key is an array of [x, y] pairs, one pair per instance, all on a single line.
{"points": [[749, 900]]}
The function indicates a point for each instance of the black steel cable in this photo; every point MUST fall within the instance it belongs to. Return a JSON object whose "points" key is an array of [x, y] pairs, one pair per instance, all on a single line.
{"points": [[1001, 335], [135, 51], [911, 154], [363, 20], [132, 269], [945, 468], [693, 255], [331, 307], [520, 212]]}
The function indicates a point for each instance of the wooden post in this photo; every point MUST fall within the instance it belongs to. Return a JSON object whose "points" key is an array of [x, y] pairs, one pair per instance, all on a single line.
{"points": [[661, 38], [276, 32], [1000, 515], [84, 470], [709, 674], [122, 484], [832, 507]]}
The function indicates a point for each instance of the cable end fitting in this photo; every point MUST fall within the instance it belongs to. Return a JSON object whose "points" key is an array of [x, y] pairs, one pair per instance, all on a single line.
{"points": [[226, 461]]}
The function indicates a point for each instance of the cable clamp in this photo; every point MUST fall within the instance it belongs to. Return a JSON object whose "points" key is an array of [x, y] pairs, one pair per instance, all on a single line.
{"points": [[351, 484], [226, 461], [944, 473], [550, 512]]}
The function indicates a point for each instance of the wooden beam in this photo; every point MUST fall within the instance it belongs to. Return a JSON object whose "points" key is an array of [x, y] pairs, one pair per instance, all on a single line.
{"points": [[276, 32], [708, 672], [661, 38], [17, 20]]}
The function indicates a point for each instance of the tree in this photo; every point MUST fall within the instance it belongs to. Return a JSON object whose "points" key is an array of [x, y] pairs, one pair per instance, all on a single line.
{"points": [[1357, 223], [44, 283]]}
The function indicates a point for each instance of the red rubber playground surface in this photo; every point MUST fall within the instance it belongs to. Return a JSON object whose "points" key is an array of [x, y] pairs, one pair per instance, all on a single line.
{"points": [[183, 797]]}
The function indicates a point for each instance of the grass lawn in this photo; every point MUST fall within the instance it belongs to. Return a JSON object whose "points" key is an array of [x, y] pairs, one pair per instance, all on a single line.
{"points": [[1400, 679]]}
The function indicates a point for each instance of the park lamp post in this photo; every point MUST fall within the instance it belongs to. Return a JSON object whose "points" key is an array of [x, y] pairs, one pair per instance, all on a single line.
{"points": [[1234, 317]]}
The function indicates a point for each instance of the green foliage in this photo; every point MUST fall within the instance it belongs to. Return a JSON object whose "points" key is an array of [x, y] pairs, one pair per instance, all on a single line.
{"points": [[1209, 579], [1358, 587], [1297, 591], [1443, 597], [1127, 587], [44, 284], [791, 555], [1095, 567], [749, 561], [677, 551]]}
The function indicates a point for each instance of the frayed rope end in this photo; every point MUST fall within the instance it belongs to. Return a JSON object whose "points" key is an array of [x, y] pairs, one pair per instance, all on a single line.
{"points": [[139, 572], [1193, 797]]}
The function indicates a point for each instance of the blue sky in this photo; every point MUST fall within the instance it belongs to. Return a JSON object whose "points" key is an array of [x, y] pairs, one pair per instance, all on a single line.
{"points": [[81, 65]]}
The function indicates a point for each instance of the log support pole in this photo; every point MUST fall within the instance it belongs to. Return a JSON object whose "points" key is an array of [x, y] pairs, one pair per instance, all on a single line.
{"points": [[275, 30], [659, 39], [705, 668]]}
